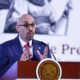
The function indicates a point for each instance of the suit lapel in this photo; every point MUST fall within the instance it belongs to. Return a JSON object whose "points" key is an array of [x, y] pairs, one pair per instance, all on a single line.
{"points": [[18, 48], [35, 45]]}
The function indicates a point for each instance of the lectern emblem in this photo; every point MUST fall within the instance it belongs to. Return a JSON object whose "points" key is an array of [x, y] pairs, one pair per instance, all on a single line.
{"points": [[48, 69]]}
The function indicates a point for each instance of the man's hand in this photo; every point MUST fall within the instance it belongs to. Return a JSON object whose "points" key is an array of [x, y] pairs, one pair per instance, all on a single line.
{"points": [[26, 55], [44, 55]]}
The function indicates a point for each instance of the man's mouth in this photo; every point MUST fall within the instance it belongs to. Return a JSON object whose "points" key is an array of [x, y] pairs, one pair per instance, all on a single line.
{"points": [[30, 33]]}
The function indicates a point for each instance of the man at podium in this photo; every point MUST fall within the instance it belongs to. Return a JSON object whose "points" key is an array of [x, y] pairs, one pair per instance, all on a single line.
{"points": [[23, 47]]}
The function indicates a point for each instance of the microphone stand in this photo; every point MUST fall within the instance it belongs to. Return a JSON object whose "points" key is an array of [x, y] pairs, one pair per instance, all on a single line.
{"points": [[52, 54]]}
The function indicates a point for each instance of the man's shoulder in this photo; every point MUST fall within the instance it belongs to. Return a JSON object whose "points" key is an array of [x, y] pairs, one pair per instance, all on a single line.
{"points": [[9, 42], [37, 42]]}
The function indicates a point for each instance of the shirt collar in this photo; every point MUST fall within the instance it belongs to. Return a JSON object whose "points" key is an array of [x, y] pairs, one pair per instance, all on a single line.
{"points": [[23, 42]]}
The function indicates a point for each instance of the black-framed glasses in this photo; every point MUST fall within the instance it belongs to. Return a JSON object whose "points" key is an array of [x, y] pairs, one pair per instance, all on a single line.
{"points": [[27, 25]]}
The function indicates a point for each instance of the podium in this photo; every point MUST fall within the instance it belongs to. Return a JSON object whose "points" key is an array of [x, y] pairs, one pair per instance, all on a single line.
{"points": [[70, 70], [27, 69]]}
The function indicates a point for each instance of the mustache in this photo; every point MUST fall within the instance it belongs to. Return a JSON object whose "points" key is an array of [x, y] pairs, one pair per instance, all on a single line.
{"points": [[30, 31]]}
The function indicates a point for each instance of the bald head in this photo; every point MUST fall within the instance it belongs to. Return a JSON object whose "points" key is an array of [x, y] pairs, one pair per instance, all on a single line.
{"points": [[25, 18]]}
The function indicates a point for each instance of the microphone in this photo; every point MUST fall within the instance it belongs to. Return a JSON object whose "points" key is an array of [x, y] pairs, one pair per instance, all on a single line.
{"points": [[51, 51]]}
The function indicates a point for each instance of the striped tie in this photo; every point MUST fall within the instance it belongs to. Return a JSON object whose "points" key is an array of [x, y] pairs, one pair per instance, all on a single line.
{"points": [[27, 47]]}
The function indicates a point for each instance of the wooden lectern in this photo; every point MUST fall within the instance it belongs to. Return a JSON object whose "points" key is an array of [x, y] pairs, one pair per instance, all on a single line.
{"points": [[27, 69], [70, 70]]}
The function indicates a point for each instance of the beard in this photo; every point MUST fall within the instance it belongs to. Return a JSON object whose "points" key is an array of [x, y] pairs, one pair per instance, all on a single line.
{"points": [[29, 36]]}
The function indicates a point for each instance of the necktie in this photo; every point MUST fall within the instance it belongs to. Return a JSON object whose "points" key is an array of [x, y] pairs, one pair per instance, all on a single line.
{"points": [[27, 47]]}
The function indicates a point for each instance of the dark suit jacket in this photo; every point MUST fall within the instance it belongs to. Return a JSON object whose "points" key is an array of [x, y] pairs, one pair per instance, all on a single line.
{"points": [[11, 51]]}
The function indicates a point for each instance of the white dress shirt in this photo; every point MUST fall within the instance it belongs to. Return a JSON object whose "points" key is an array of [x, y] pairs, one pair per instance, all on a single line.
{"points": [[23, 43]]}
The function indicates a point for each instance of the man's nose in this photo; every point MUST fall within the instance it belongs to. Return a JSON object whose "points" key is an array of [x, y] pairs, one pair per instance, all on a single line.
{"points": [[30, 27]]}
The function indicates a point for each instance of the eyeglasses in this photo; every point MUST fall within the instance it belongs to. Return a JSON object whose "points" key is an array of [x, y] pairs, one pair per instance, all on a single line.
{"points": [[27, 25]]}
